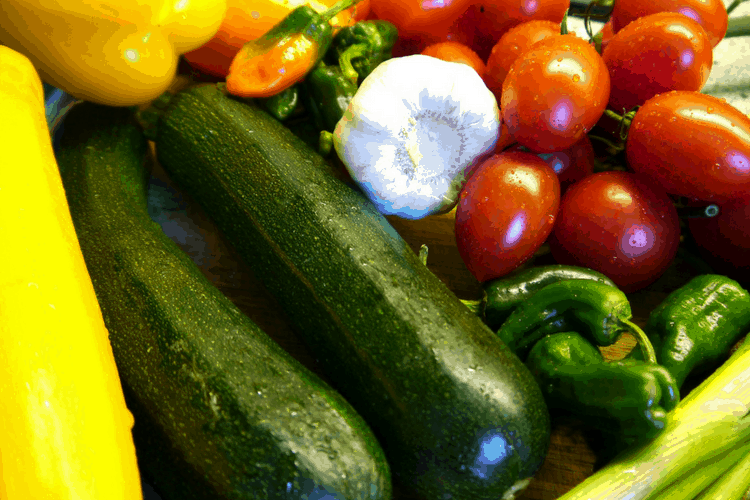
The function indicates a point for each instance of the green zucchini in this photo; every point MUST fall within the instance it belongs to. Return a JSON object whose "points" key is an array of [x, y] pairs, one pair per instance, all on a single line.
{"points": [[458, 414], [221, 411]]}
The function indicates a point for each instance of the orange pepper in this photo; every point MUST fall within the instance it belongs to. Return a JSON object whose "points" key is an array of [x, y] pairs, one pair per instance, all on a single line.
{"points": [[248, 20]]}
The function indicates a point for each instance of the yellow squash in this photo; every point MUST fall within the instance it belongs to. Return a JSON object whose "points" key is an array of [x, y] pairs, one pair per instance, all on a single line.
{"points": [[115, 52], [65, 432]]}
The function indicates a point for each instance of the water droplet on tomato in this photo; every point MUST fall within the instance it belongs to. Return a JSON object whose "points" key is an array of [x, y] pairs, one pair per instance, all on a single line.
{"points": [[710, 109], [576, 78]]}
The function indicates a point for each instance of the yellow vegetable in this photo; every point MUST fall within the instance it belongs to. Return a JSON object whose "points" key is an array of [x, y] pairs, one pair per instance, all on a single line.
{"points": [[115, 52], [65, 431]]}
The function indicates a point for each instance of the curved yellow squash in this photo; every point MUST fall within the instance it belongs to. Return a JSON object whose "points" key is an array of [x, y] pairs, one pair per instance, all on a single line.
{"points": [[115, 52], [65, 432]]}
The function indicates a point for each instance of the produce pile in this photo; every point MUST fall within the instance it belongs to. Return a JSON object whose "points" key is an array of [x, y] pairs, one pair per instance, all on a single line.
{"points": [[575, 171]]}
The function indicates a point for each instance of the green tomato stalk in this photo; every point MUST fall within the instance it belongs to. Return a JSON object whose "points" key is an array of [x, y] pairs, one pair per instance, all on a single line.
{"points": [[705, 445]]}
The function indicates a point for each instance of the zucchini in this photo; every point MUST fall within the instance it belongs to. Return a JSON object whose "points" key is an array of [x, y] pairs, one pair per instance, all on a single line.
{"points": [[458, 414], [221, 411]]}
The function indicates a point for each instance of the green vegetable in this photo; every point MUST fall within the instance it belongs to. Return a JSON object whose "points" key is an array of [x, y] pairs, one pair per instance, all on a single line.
{"points": [[503, 295], [458, 415], [282, 105], [221, 411], [359, 48], [705, 438], [328, 94], [628, 397], [600, 311], [698, 323]]}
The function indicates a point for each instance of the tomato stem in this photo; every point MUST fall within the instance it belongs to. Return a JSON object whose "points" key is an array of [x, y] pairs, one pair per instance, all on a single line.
{"points": [[708, 211], [564, 23], [734, 5], [338, 7], [738, 26]]}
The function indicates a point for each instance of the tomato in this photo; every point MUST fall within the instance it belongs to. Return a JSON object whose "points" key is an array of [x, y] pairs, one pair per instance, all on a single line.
{"points": [[606, 34], [570, 165], [459, 30], [619, 224], [494, 18], [724, 240], [418, 17], [655, 54], [554, 93], [710, 14], [692, 144], [456, 52], [512, 44], [505, 212], [247, 20]]}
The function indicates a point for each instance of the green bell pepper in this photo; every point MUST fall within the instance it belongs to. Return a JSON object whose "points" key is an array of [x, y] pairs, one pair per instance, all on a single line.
{"points": [[599, 311], [628, 398], [327, 94], [697, 324], [359, 48]]}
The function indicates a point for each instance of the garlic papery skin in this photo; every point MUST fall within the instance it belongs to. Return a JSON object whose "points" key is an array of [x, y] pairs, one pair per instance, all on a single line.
{"points": [[413, 130]]}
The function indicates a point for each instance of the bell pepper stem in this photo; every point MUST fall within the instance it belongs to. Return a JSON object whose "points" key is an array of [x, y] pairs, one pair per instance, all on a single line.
{"points": [[645, 344], [423, 255], [345, 60], [338, 7]]}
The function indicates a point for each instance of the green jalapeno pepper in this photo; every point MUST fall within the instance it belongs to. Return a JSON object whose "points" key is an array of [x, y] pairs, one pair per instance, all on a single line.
{"points": [[629, 397], [503, 295], [697, 324], [599, 311], [281, 105], [359, 48], [327, 94]]}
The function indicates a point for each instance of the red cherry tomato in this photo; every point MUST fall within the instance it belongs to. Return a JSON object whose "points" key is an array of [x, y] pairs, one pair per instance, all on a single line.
{"points": [[494, 18], [711, 14], [456, 52], [512, 44], [417, 17], [571, 165], [724, 240], [619, 224], [505, 212], [655, 54], [694, 145], [459, 30], [554, 93]]}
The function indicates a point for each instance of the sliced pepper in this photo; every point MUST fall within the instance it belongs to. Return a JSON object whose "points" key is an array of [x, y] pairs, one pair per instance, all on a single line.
{"points": [[109, 52], [634, 396]]}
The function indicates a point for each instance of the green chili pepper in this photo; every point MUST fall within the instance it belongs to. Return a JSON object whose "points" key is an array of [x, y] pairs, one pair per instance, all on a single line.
{"points": [[359, 48], [503, 295], [327, 94], [281, 105], [599, 311], [697, 324], [630, 395]]}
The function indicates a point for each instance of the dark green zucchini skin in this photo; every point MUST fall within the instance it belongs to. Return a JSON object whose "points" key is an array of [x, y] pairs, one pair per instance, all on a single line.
{"points": [[221, 410], [459, 415]]}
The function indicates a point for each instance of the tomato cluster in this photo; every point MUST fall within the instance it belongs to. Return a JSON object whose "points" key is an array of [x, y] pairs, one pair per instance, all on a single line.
{"points": [[652, 59]]}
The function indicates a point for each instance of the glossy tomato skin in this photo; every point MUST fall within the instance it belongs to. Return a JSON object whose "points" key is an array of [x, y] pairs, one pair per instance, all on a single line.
{"points": [[655, 54], [494, 18], [710, 14], [247, 20], [554, 93], [618, 224], [724, 240], [505, 212], [570, 165], [455, 52], [693, 145], [512, 44], [417, 17]]}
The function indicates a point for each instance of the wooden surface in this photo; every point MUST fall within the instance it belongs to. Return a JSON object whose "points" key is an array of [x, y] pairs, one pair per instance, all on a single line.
{"points": [[570, 459]]}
